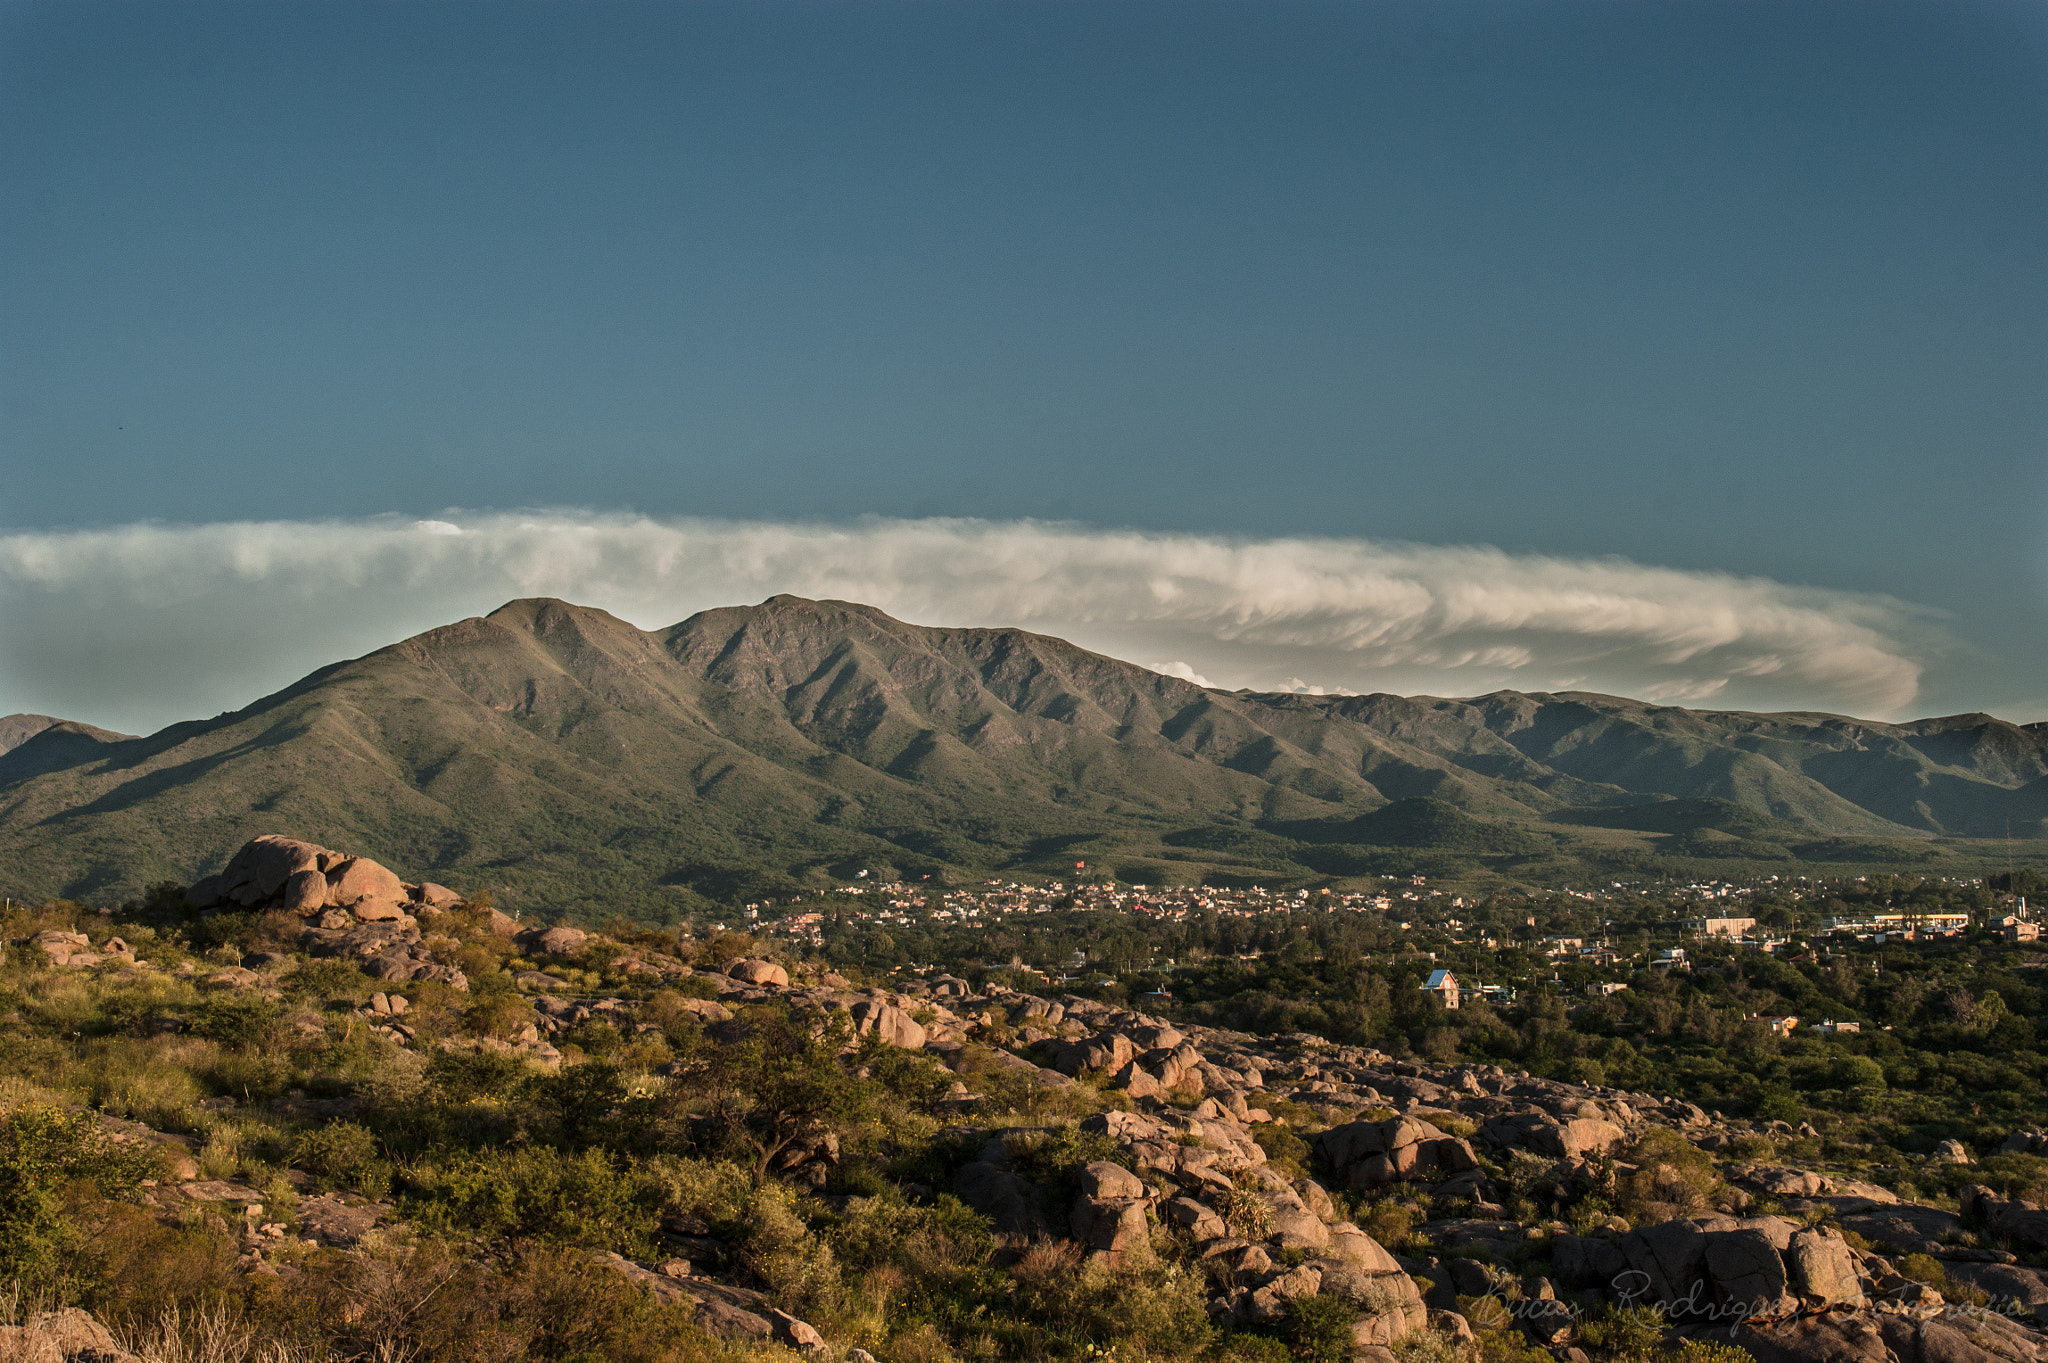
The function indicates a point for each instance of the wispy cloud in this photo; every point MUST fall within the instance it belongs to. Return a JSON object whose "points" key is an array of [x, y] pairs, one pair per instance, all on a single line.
{"points": [[140, 625]]}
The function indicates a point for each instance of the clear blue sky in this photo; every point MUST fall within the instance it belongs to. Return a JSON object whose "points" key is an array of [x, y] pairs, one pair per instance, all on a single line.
{"points": [[1754, 287]]}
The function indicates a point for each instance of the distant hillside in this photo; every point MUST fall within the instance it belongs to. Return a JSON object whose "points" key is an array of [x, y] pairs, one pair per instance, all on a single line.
{"points": [[16, 730], [575, 761]]}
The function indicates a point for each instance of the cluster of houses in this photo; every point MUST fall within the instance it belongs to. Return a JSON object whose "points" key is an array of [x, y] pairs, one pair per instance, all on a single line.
{"points": [[883, 903]]}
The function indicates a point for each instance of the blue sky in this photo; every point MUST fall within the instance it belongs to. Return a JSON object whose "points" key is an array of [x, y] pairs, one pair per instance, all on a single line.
{"points": [[1741, 290]]}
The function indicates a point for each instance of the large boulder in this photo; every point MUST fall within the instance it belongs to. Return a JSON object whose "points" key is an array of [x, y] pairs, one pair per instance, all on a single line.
{"points": [[557, 941], [1390, 1304], [797, 1334], [1580, 1261], [256, 872], [1543, 1134], [1820, 1338], [1747, 1272], [1271, 1301], [1297, 1228], [66, 1336], [1354, 1248], [1007, 1199], [60, 946], [2014, 1217], [1102, 1179], [759, 973], [1367, 1155], [1583, 1136], [1109, 1214], [1822, 1269], [369, 891], [305, 892], [886, 1021], [1109, 1051], [1137, 1081], [1156, 1037], [1667, 1267], [2025, 1288], [1117, 1230], [1200, 1219], [1959, 1336]]}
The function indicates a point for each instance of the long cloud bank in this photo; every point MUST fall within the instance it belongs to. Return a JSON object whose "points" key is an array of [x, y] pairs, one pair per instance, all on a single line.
{"points": [[141, 625]]}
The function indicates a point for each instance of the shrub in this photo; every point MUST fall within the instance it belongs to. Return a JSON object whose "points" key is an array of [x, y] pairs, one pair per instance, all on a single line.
{"points": [[1675, 1178], [328, 979], [231, 1019], [1388, 1223], [717, 1193], [465, 1076], [1059, 1155], [1319, 1328], [151, 1276], [1157, 1304], [911, 1076], [496, 1014], [1284, 1149], [1244, 1211], [539, 1302], [1427, 1346], [343, 1155], [1622, 1334], [1707, 1351], [1582, 1070], [1252, 1349], [530, 1193], [1924, 1268], [48, 1160], [589, 1105], [886, 1230]]}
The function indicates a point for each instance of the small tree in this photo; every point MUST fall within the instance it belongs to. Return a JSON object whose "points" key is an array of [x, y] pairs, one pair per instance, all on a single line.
{"points": [[772, 1079]]}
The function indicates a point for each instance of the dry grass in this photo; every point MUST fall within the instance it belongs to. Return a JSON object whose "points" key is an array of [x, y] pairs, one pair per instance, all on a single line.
{"points": [[213, 1335]]}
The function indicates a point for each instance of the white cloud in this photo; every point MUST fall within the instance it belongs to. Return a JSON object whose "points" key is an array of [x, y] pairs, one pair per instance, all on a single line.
{"points": [[1181, 670], [139, 625], [1302, 688]]}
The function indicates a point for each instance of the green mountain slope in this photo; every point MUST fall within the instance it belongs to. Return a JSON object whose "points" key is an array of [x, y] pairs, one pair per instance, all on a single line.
{"points": [[572, 760]]}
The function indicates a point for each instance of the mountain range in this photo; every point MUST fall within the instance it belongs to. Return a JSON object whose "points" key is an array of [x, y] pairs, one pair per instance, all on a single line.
{"points": [[565, 757]]}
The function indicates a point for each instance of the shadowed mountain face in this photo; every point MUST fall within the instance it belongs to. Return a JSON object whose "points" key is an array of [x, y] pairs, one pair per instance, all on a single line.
{"points": [[567, 756]]}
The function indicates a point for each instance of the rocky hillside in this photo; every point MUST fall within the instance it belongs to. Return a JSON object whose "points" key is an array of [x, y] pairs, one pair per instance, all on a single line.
{"points": [[401, 1075], [563, 756]]}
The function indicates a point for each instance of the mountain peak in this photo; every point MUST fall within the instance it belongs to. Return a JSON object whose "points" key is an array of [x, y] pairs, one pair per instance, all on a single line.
{"points": [[527, 610]]}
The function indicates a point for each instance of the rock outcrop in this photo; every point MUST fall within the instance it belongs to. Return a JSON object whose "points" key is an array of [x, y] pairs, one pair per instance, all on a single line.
{"points": [[67, 1336], [351, 906]]}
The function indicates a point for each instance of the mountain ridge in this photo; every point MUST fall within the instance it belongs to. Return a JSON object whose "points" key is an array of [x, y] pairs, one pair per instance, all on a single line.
{"points": [[568, 753]]}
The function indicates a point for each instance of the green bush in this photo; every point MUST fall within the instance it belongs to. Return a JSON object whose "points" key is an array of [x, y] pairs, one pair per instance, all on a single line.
{"points": [[888, 1231], [48, 1160], [1319, 1328], [231, 1019], [343, 1155], [328, 979], [1622, 1334], [1284, 1149], [465, 1076], [1059, 1155], [530, 1193]]}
